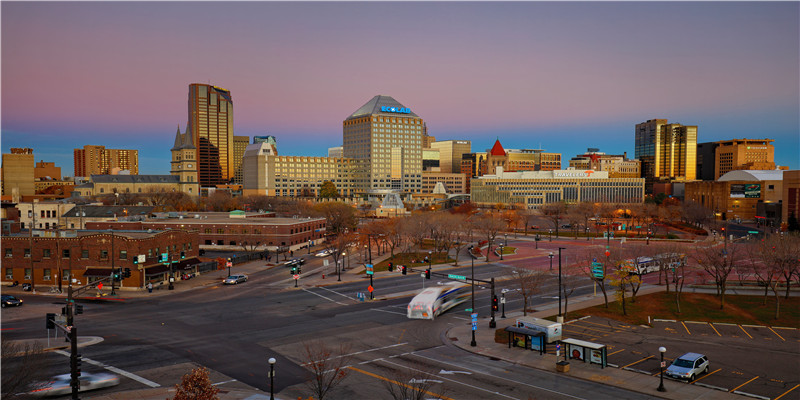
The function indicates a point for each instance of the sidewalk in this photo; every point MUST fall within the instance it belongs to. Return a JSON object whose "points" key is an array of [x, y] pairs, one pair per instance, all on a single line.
{"points": [[484, 337]]}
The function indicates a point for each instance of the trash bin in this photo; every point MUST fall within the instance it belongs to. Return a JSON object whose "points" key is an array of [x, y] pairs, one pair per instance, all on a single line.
{"points": [[562, 366]]}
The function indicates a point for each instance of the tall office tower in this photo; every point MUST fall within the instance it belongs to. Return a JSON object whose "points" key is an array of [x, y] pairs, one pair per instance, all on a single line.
{"points": [[239, 146], [211, 126], [18, 167], [384, 138], [667, 151], [184, 162], [335, 152], [98, 160], [450, 152]]}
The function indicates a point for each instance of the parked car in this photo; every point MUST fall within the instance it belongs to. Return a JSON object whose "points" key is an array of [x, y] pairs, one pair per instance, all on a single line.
{"points": [[10, 301], [59, 385], [324, 253], [688, 366], [235, 279]]}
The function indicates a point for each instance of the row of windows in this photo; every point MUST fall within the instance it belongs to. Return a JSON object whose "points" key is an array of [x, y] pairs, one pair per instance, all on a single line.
{"points": [[46, 274]]}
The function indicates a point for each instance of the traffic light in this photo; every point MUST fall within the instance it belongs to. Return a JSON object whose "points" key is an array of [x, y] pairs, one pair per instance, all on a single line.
{"points": [[127, 273], [183, 255], [294, 270], [494, 303], [135, 260], [403, 269], [51, 320], [428, 273], [78, 308], [78, 364], [391, 267], [299, 270], [116, 274]]}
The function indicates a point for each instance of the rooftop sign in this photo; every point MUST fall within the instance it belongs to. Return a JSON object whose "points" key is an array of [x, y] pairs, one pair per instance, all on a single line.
{"points": [[396, 110]]}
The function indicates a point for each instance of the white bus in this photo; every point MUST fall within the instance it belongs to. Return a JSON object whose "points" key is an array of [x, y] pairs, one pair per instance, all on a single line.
{"points": [[646, 265], [435, 300]]}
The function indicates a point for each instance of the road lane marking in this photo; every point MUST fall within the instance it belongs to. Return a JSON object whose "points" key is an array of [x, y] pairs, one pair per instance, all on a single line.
{"points": [[114, 369], [734, 389], [715, 329], [436, 395], [636, 362], [326, 298], [614, 352], [776, 334], [335, 292], [358, 352], [685, 327], [387, 311], [787, 392], [745, 332], [495, 377], [224, 382], [706, 375]]}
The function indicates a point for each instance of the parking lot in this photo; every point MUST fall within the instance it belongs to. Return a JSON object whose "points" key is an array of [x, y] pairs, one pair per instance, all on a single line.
{"points": [[756, 361]]}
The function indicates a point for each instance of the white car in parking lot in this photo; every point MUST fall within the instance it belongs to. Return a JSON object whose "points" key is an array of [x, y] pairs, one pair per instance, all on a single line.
{"points": [[688, 366]]}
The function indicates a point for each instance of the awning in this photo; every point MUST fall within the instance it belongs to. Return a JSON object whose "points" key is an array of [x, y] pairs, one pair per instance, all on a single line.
{"points": [[97, 272], [524, 331]]}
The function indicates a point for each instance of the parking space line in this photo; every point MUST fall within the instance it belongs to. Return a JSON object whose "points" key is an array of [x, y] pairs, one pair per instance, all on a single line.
{"points": [[604, 325], [715, 329], [684, 327], [582, 333], [597, 330], [615, 352], [745, 332], [706, 375], [787, 392], [776, 334], [734, 389], [636, 362]]}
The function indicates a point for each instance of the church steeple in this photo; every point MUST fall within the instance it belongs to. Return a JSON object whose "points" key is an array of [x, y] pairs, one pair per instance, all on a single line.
{"points": [[178, 139]]}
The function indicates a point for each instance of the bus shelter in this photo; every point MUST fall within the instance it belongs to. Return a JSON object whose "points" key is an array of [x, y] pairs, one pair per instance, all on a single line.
{"points": [[526, 338], [588, 352]]}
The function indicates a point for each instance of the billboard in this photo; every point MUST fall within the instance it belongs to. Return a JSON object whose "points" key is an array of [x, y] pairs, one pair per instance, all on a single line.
{"points": [[746, 190]]}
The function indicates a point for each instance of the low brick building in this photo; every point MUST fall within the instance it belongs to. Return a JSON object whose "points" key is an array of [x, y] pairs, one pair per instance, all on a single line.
{"points": [[88, 256]]}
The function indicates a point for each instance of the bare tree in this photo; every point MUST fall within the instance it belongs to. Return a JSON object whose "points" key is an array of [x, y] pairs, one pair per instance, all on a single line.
{"points": [[487, 226], [416, 382], [526, 217], [584, 211], [781, 258], [328, 366], [718, 262], [340, 217], [21, 365], [554, 212], [570, 279], [530, 283], [196, 385], [585, 259], [250, 244]]}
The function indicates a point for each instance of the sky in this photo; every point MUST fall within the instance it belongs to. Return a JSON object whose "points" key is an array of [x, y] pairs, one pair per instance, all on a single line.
{"points": [[561, 76]]}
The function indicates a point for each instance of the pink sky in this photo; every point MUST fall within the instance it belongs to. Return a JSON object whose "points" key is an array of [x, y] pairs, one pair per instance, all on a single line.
{"points": [[117, 74]]}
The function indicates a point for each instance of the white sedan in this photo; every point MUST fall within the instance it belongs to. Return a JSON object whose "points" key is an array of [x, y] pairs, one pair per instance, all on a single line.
{"points": [[59, 385], [235, 279], [324, 253]]}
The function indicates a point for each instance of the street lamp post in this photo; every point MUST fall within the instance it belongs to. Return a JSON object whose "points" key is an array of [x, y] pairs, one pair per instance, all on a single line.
{"points": [[550, 234], [503, 303], [271, 378], [430, 259], [344, 260], [473, 343], [551, 260], [111, 231], [661, 388], [560, 316], [338, 270]]}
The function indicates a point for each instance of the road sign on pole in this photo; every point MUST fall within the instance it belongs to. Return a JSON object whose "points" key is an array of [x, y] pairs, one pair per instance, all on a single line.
{"points": [[370, 288], [597, 270], [457, 277], [370, 269]]}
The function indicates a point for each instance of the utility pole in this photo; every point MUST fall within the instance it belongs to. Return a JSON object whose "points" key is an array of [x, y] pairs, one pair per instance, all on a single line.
{"points": [[113, 270], [30, 231]]}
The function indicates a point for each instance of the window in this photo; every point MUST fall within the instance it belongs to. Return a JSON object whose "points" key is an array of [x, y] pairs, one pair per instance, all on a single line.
{"points": [[123, 254], [27, 253], [65, 253], [103, 254], [46, 274], [65, 275], [46, 253], [9, 273], [27, 273], [9, 253], [84, 254]]}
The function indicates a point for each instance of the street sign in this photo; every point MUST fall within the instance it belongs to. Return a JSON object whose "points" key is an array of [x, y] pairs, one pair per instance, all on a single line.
{"points": [[754, 232], [663, 364], [474, 316], [370, 269], [370, 289], [468, 310], [503, 300], [457, 277], [228, 264], [142, 258], [597, 270], [422, 274], [164, 257], [296, 277]]}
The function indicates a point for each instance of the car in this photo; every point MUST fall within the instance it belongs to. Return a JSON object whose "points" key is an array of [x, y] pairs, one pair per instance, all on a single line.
{"points": [[688, 366], [294, 262], [566, 226], [10, 301], [59, 385], [324, 253], [235, 279]]}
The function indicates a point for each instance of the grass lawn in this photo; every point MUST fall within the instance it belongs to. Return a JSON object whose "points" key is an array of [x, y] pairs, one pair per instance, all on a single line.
{"points": [[701, 307]]}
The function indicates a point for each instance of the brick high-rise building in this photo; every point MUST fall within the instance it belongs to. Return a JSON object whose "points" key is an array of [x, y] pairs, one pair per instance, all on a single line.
{"points": [[211, 127], [98, 160]]}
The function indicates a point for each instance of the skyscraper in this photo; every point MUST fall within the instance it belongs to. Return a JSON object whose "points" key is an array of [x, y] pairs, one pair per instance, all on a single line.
{"points": [[211, 126], [384, 138], [667, 151]]}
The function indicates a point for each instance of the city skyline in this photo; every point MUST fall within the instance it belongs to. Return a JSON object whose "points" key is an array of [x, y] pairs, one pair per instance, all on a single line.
{"points": [[560, 76]]}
